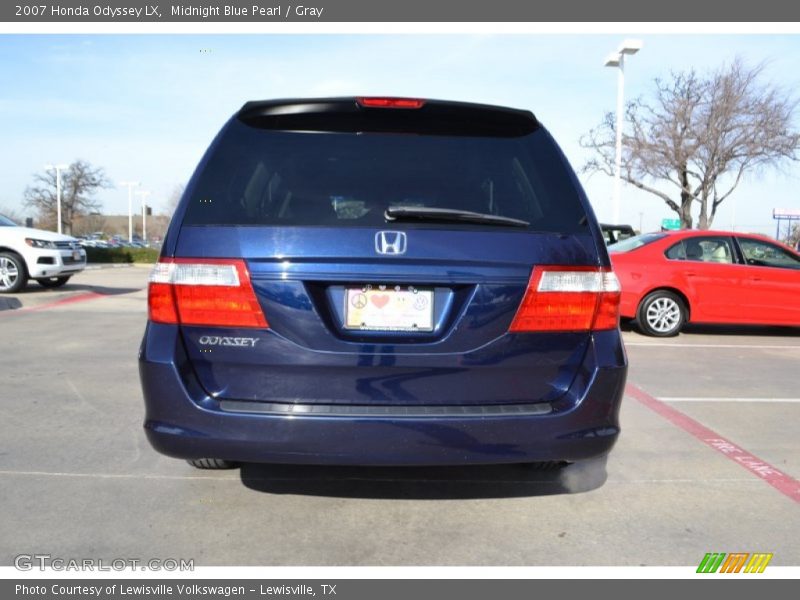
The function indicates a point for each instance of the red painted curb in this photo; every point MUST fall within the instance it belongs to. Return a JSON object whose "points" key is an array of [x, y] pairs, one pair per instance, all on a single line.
{"points": [[785, 484], [82, 297]]}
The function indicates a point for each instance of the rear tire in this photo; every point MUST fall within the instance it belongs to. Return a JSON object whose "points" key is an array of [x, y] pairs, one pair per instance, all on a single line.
{"points": [[53, 282], [13, 275], [661, 314], [212, 463]]}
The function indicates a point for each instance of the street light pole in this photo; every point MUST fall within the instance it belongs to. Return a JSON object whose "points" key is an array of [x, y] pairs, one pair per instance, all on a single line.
{"points": [[617, 59], [130, 185], [618, 131], [143, 194], [58, 169]]}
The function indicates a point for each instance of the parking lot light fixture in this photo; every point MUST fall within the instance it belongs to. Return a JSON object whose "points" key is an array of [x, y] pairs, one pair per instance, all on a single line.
{"points": [[143, 194], [58, 169], [617, 59], [130, 185]]}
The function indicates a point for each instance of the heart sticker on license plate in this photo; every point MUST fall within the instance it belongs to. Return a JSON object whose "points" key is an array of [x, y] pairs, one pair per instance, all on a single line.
{"points": [[389, 309]]}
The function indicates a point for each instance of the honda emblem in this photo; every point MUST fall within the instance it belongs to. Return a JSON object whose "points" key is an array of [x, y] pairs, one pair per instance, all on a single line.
{"points": [[390, 242]]}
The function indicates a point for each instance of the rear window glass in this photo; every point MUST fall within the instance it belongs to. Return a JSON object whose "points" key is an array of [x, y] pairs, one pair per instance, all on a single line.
{"points": [[676, 252], [266, 177], [637, 241]]}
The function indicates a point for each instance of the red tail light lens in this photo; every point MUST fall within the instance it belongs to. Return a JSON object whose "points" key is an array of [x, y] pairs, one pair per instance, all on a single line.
{"points": [[211, 292], [391, 102], [569, 299], [161, 303]]}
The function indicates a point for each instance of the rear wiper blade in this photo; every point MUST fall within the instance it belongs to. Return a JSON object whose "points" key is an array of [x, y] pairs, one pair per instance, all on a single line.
{"points": [[424, 213]]}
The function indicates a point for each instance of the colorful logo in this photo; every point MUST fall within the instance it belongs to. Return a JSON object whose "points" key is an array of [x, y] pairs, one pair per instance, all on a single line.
{"points": [[735, 562]]}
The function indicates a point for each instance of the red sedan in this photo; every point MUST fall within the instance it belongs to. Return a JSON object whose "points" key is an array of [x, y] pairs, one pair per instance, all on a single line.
{"points": [[693, 276]]}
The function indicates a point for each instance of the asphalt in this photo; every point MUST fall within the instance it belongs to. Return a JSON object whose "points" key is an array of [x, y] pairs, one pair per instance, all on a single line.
{"points": [[78, 479]]}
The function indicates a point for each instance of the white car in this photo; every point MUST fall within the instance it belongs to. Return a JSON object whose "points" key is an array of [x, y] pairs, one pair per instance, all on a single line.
{"points": [[49, 258]]}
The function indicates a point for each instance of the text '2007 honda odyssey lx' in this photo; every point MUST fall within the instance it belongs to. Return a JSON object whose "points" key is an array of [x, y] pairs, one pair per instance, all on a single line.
{"points": [[382, 281]]}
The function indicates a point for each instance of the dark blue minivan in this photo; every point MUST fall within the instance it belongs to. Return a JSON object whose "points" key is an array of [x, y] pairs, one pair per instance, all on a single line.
{"points": [[382, 281]]}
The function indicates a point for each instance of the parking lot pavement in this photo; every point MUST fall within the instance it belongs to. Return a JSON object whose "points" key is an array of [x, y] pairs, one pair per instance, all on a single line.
{"points": [[91, 281], [78, 479]]}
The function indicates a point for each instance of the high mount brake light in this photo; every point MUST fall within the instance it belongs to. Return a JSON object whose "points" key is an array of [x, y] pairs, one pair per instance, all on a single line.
{"points": [[390, 102], [569, 299], [203, 291]]}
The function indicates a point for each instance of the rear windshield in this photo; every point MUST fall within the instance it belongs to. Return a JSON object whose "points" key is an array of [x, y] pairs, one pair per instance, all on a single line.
{"points": [[266, 177], [637, 241]]}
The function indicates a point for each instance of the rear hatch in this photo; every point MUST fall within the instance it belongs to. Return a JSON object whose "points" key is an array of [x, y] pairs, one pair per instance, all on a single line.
{"points": [[389, 249]]}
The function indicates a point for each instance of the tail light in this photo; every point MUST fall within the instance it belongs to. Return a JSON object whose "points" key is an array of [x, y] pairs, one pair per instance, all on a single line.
{"points": [[203, 291], [390, 102], [569, 299]]}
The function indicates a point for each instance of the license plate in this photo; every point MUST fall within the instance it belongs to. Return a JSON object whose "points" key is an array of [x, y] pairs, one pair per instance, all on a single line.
{"points": [[389, 308], [76, 255]]}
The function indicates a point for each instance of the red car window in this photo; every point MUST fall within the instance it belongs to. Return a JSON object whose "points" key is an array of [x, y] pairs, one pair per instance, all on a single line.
{"points": [[712, 249], [676, 251], [764, 254]]}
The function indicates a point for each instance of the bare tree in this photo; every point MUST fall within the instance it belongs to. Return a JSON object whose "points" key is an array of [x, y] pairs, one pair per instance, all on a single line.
{"points": [[157, 227], [174, 198], [692, 143], [86, 225], [13, 214], [79, 183], [794, 237]]}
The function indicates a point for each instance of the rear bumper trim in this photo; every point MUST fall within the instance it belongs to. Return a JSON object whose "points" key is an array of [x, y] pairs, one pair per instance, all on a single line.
{"points": [[332, 410]]}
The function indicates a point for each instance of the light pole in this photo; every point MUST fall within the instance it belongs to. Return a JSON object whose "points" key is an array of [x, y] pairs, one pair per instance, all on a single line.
{"points": [[58, 169], [143, 194], [617, 59], [130, 185]]}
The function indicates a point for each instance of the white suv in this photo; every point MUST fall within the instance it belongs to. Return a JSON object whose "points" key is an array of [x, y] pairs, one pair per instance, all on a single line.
{"points": [[49, 258]]}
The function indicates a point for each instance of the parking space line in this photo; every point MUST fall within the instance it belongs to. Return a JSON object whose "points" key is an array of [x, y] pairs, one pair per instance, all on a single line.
{"points": [[114, 475], [687, 399], [782, 482], [736, 346], [688, 480]]}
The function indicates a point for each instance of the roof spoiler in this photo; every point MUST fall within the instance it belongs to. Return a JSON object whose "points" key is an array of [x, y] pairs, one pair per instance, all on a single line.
{"points": [[370, 114]]}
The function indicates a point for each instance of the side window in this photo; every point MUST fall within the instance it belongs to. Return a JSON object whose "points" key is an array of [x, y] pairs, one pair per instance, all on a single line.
{"points": [[764, 254], [712, 249], [676, 252]]}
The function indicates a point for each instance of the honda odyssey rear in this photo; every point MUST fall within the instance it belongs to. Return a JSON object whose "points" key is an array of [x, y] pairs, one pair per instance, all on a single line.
{"points": [[382, 281]]}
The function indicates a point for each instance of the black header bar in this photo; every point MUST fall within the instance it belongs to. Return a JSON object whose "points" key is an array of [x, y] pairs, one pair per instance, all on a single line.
{"points": [[441, 11]]}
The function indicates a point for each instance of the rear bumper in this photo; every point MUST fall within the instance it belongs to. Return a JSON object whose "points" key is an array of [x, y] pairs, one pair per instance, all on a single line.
{"points": [[184, 422]]}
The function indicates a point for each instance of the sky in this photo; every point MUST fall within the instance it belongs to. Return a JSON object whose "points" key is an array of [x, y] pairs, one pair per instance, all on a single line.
{"points": [[145, 107]]}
